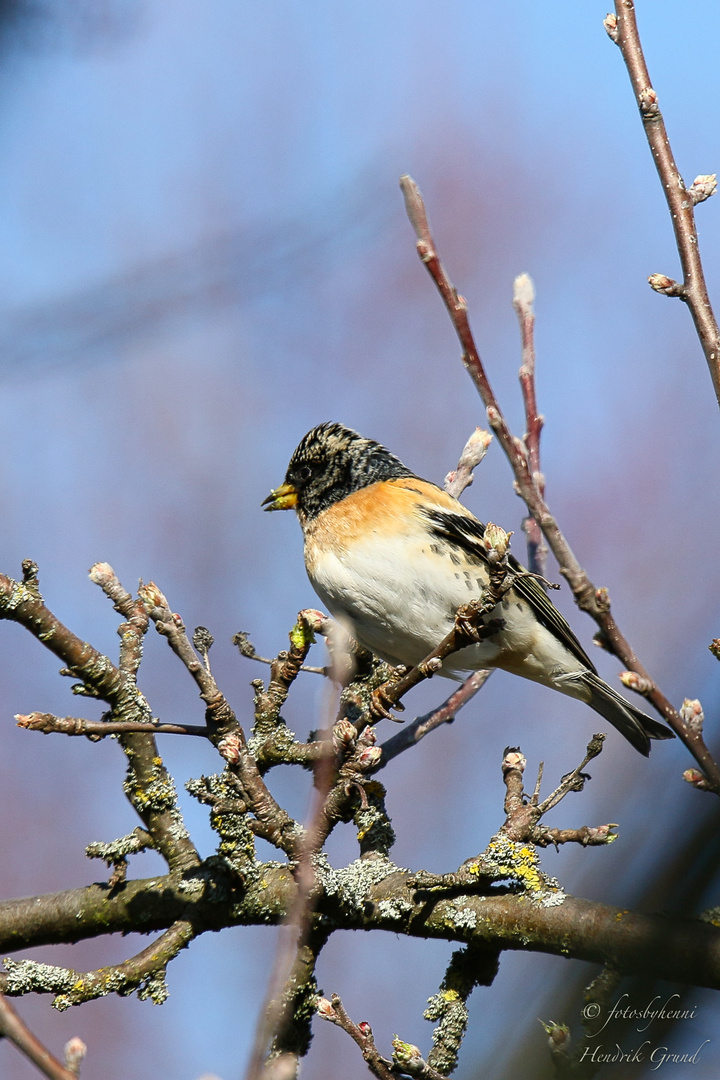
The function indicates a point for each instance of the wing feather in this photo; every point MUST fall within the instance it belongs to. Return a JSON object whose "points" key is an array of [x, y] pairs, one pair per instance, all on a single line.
{"points": [[466, 532]]}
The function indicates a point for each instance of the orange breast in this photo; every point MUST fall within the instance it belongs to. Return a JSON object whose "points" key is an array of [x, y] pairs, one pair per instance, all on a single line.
{"points": [[387, 509]]}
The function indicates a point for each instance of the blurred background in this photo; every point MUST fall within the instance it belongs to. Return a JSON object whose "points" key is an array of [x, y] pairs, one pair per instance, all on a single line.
{"points": [[205, 253]]}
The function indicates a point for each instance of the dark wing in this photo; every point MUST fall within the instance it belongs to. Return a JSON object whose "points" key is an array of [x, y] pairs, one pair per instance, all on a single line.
{"points": [[467, 533]]}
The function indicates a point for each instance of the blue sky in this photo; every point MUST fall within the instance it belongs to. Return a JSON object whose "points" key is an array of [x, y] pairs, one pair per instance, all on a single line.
{"points": [[204, 253]]}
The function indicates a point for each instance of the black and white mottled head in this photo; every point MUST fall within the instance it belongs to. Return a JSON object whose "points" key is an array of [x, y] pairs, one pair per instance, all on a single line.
{"points": [[331, 462]]}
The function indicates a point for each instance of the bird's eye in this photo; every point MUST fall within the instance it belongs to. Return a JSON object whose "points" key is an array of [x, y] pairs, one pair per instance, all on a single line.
{"points": [[304, 473]]}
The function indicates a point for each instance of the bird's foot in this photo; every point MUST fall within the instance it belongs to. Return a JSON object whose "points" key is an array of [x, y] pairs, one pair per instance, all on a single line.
{"points": [[381, 701], [470, 624]]}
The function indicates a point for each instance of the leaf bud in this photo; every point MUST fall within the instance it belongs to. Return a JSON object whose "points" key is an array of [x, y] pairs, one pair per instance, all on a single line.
{"points": [[369, 758], [558, 1035], [514, 759], [324, 1008], [405, 1053], [635, 682], [229, 748], [693, 716], [496, 541], [343, 734]]}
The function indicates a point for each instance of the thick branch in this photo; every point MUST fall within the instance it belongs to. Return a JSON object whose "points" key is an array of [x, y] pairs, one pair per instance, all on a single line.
{"points": [[680, 950]]}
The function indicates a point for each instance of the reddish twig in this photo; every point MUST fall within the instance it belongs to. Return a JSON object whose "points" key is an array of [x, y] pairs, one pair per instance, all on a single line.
{"points": [[14, 1029], [336, 783], [587, 596], [622, 29], [523, 299], [293, 965]]}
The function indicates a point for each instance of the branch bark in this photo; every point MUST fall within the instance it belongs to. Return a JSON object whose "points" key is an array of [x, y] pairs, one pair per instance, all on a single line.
{"points": [[680, 950], [623, 30]]}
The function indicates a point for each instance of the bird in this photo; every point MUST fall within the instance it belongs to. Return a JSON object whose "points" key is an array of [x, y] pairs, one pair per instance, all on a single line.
{"points": [[393, 557]]}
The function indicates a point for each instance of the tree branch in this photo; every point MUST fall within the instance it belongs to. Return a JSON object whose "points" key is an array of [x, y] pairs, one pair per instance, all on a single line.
{"points": [[589, 598], [445, 714], [623, 30], [144, 973], [374, 895], [12, 1027], [523, 299]]}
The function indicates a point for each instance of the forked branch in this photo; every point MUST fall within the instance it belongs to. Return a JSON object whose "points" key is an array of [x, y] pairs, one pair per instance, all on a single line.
{"points": [[587, 596]]}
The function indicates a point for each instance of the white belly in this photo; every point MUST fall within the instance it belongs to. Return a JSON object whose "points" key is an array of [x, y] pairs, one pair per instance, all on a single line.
{"points": [[402, 619]]}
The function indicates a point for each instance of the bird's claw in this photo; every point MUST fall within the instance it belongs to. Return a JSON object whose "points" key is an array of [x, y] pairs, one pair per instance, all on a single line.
{"points": [[469, 622], [381, 703]]}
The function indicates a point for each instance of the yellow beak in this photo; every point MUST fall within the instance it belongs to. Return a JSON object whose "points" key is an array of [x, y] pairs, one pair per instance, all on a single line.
{"points": [[283, 498]]}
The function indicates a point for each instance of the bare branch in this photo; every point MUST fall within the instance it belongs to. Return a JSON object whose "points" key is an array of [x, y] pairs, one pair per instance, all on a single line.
{"points": [[278, 827], [18, 1033], [334, 1012], [472, 454], [588, 597], [623, 30], [445, 714], [143, 973], [523, 299], [47, 723]]}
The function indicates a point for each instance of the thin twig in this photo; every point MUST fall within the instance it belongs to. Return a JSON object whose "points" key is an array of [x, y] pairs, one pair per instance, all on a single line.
{"points": [[222, 725], [445, 714], [587, 596], [523, 299], [623, 30], [47, 723], [246, 648], [361, 1033], [523, 815], [473, 452], [22, 602], [574, 781], [14, 1029]]}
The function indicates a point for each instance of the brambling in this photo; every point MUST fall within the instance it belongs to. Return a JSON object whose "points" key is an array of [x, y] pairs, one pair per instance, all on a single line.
{"points": [[394, 557]]}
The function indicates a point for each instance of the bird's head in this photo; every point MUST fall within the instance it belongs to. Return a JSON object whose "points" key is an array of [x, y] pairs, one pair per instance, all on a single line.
{"points": [[330, 463]]}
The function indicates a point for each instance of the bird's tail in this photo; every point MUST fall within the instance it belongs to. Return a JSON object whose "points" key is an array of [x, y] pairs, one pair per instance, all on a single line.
{"points": [[630, 721]]}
